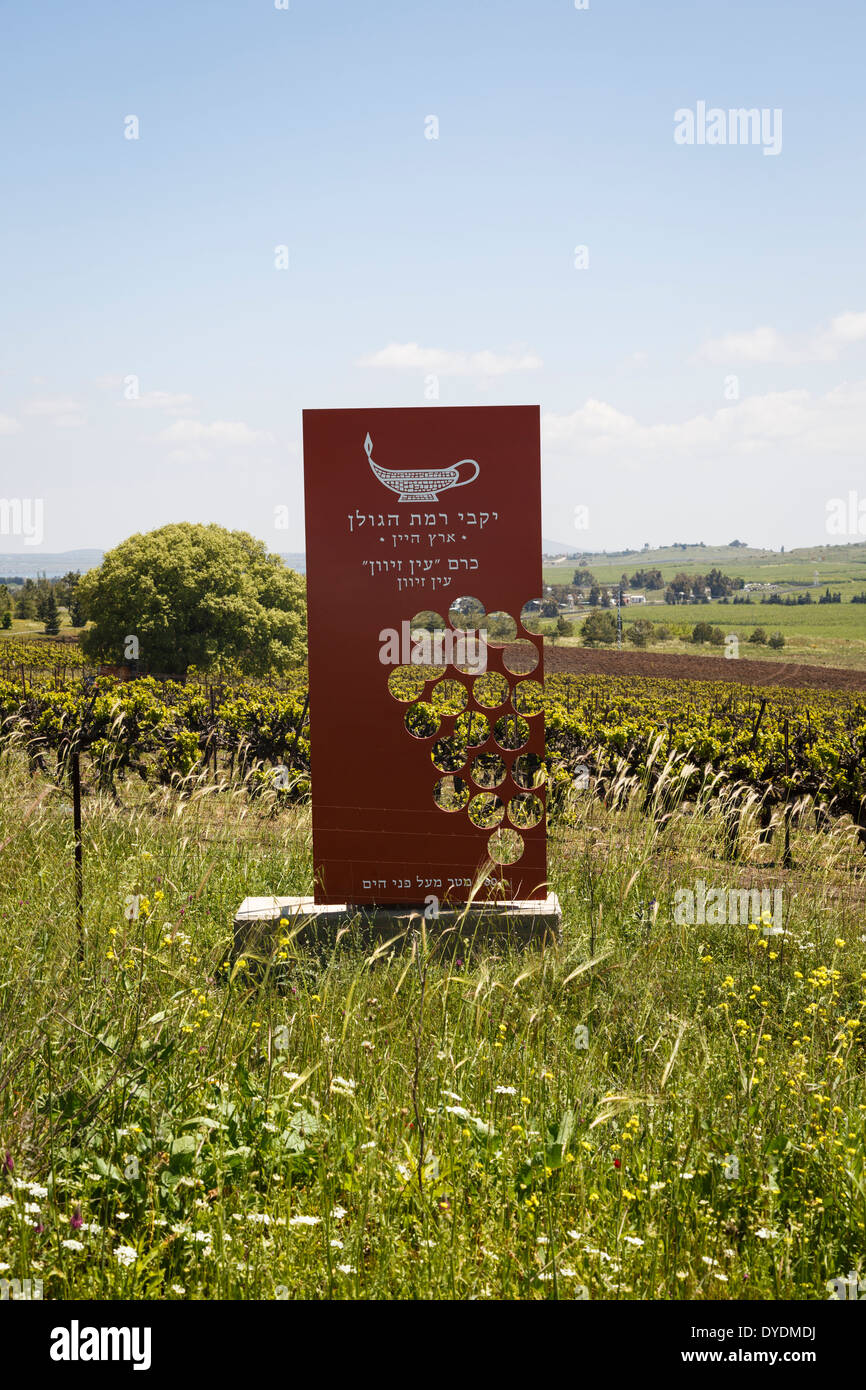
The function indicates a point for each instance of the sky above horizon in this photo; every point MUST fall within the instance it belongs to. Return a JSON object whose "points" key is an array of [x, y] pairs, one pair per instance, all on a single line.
{"points": [[700, 364]]}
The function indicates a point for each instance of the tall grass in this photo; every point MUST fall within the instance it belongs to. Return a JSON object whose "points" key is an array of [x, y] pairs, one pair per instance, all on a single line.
{"points": [[648, 1110]]}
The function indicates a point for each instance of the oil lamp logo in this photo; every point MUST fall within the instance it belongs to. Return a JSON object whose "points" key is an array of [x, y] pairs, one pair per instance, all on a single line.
{"points": [[420, 484]]}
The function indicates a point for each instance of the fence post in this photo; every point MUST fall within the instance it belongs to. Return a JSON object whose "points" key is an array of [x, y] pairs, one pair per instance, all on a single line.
{"points": [[79, 852], [786, 856]]}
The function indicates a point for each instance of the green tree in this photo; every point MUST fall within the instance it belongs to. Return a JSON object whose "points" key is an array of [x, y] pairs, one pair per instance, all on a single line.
{"points": [[75, 608], [25, 605], [195, 595], [776, 641], [599, 629], [7, 618], [640, 632], [759, 637], [51, 615]]}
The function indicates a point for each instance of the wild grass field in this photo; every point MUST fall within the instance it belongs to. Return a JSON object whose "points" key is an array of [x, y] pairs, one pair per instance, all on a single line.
{"points": [[646, 1110]]}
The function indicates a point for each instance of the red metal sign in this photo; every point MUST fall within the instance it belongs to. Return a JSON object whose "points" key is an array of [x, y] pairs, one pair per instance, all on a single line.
{"points": [[423, 533]]}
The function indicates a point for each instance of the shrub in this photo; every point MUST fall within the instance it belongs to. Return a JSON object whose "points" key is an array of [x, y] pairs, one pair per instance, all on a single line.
{"points": [[599, 629], [641, 632]]}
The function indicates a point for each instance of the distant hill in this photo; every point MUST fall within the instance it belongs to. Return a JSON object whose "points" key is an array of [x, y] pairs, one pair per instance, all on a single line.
{"points": [[29, 564], [296, 561], [703, 556], [557, 548], [732, 559]]}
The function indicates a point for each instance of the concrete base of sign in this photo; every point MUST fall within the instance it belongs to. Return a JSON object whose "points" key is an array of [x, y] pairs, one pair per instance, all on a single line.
{"points": [[257, 934]]}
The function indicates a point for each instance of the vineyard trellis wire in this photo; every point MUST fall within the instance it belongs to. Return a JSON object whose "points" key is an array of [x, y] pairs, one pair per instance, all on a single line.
{"points": [[774, 752]]}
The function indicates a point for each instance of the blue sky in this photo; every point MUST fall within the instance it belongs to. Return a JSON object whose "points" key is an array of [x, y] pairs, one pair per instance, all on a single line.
{"points": [[412, 258]]}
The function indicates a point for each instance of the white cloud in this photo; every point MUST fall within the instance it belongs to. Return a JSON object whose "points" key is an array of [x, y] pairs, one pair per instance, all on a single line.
{"points": [[766, 345], [8, 425], [442, 362], [804, 424], [63, 410], [637, 359], [193, 441], [220, 433], [175, 402]]}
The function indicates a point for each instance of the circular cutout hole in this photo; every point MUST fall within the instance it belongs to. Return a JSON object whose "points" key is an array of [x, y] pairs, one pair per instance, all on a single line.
{"points": [[505, 846], [449, 754], [427, 621], [520, 658], [511, 731], [421, 720], [528, 697], [467, 614], [491, 690], [528, 771], [501, 629], [427, 630], [406, 683], [474, 652], [488, 770], [473, 728], [525, 810], [486, 810], [534, 618], [451, 794], [449, 697]]}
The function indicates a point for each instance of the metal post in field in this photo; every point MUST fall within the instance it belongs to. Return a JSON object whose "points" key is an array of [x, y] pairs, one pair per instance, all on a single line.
{"points": [[786, 860], [79, 851]]}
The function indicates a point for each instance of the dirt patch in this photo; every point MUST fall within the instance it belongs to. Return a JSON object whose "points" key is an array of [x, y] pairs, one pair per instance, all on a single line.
{"points": [[593, 661]]}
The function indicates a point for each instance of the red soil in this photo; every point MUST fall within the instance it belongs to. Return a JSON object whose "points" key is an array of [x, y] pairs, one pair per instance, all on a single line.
{"points": [[586, 661]]}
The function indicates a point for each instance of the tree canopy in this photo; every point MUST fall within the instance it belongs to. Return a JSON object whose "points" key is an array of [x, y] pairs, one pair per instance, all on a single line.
{"points": [[194, 595]]}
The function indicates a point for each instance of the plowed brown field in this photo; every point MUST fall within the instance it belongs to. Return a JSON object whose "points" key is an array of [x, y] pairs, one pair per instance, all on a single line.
{"points": [[587, 661]]}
